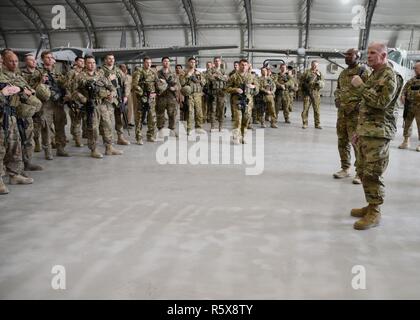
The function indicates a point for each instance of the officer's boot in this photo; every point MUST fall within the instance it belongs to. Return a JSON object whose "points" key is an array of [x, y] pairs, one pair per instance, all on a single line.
{"points": [[18, 179], [111, 151], [405, 144], [3, 188], [122, 141], [370, 220]]}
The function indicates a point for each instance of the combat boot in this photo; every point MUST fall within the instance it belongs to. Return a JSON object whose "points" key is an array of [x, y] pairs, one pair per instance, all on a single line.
{"points": [[48, 153], [151, 139], [111, 151], [19, 179], [418, 148], [173, 133], [359, 212], [318, 127], [405, 144], [263, 125], [61, 152], [200, 131], [37, 147], [304, 126], [78, 142], [32, 167], [122, 141], [343, 173], [140, 141], [95, 154], [3, 188], [273, 125], [370, 220], [356, 180]]}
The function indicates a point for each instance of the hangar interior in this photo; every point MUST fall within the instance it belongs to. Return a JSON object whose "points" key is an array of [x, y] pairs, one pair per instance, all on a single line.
{"points": [[128, 227]]}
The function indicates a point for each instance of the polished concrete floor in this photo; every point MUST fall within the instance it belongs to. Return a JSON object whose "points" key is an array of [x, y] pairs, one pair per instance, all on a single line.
{"points": [[128, 227]]}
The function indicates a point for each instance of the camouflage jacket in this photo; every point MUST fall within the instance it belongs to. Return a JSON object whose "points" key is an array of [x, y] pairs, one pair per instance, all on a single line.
{"points": [[377, 115], [238, 81], [56, 83], [172, 81], [411, 92], [311, 81], [144, 81], [217, 79], [27, 74], [346, 97], [71, 80], [119, 82], [196, 81], [267, 84], [285, 80], [104, 88]]}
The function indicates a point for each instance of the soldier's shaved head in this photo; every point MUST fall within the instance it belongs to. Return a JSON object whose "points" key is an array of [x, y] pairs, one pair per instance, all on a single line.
{"points": [[10, 61], [377, 55]]}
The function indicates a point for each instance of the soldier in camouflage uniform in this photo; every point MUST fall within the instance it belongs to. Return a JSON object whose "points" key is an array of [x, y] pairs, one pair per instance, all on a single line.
{"points": [[95, 92], [13, 100], [118, 80], [312, 81], [285, 87], [411, 98], [242, 86], [75, 112], [53, 115], [347, 103], [235, 69], [192, 83], [27, 72], [167, 99], [376, 127], [217, 80], [206, 99], [267, 90], [26, 106], [145, 83]]}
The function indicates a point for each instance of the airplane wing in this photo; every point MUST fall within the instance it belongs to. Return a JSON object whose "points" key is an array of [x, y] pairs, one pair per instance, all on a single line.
{"points": [[323, 53]]}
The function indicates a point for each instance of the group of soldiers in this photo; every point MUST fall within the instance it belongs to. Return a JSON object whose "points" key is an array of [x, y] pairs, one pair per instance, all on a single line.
{"points": [[33, 112]]}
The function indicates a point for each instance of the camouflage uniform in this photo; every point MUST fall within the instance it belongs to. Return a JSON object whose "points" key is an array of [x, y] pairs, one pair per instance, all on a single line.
{"points": [[144, 84], [75, 114], [411, 92], [284, 98], [53, 115], [206, 98], [347, 102], [217, 79], [195, 113], [376, 127], [167, 100], [311, 85], [241, 118], [267, 84], [102, 114]]}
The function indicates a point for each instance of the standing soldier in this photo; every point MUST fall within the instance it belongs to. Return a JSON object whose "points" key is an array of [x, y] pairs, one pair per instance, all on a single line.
{"points": [[411, 99], [53, 115], [347, 103], [235, 69], [376, 127], [285, 86], [242, 86], [192, 83], [130, 101], [179, 97], [217, 80], [312, 81], [267, 89], [206, 100], [167, 99], [145, 82], [119, 102], [95, 92], [75, 111]]}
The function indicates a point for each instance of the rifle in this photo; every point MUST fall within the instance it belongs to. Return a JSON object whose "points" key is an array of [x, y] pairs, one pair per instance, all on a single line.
{"points": [[185, 107], [145, 107], [92, 90], [121, 105], [22, 125], [243, 99], [7, 111], [57, 93]]}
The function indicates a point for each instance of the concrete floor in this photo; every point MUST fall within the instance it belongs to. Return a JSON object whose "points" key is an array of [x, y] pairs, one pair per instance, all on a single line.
{"points": [[127, 227]]}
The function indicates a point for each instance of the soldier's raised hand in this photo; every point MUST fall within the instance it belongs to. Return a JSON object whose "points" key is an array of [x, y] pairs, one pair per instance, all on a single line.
{"points": [[356, 81]]}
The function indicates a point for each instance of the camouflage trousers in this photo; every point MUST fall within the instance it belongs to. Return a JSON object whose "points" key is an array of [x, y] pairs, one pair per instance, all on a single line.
{"points": [[151, 119], [346, 127], [76, 119], [118, 117], [284, 102], [10, 149], [205, 107], [241, 119], [373, 158], [195, 112], [168, 104], [313, 99], [217, 109], [269, 112], [101, 125], [413, 113], [29, 144], [54, 121]]}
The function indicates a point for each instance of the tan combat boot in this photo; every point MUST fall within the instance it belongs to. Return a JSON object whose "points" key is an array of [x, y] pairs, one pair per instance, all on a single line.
{"points": [[418, 148], [3, 188], [37, 147], [304, 126], [18, 179], [122, 141], [61, 152], [359, 213], [151, 139], [356, 180], [405, 144], [343, 173], [48, 153], [273, 125], [32, 167], [140, 141], [111, 151], [95, 154], [200, 131], [370, 220], [263, 125], [78, 142]]}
